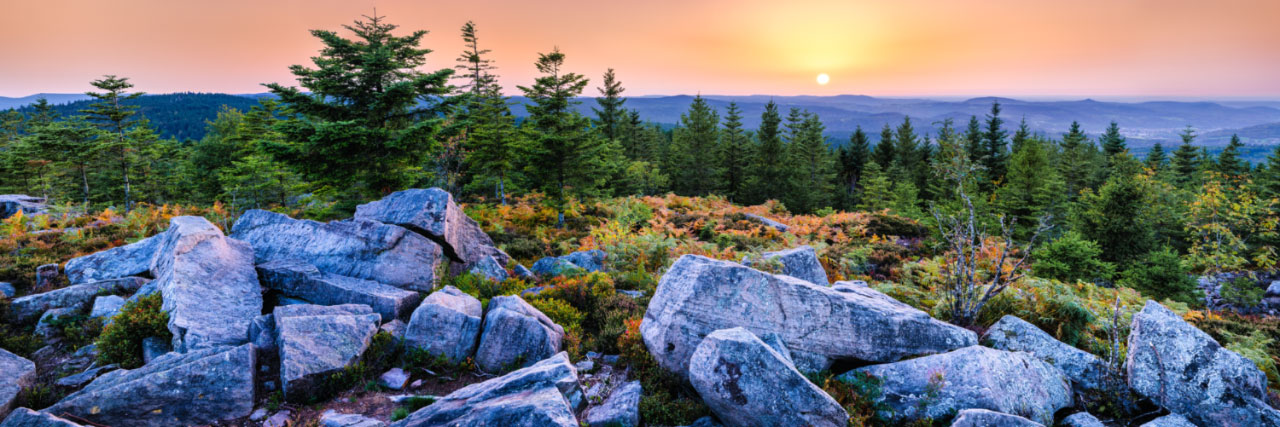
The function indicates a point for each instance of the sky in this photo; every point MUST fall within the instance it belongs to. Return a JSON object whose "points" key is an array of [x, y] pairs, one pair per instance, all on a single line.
{"points": [[1019, 48]]}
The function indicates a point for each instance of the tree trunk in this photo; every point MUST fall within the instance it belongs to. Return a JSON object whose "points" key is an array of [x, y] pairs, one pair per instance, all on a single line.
{"points": [[84, 178]]}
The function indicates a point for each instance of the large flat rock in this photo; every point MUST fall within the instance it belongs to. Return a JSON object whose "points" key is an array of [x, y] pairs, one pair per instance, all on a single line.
{"points": [[1086, 371], [199, 387], [16, 373], [300, 279], [544, 394], [1184, 370], [800, 262], [446, 324], [208, 284], [76, 297], [133, 259], [699, 295], [315, 341], [1014, 383], [363, 249], [433, 213]]}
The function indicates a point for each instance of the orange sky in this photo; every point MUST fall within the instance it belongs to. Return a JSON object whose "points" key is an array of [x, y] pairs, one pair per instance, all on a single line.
{"points": [[1076, 48]]}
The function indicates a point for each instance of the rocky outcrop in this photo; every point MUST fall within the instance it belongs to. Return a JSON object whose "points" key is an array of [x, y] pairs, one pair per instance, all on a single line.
{"points": [[75, 297], [446, 324], [315, 341], [1184, 370], [207, 283], [515, 334], [357, 248], [432, 213], [488, 267], [133, 259], [1086, 371], [985, 418], [299, 279], [621, 409], [972, 377], [106, 306], [332, 418], [544, 394], [800, 262], [699, 295], [11, 204], [16, 373], [1082, 419], [23, 417], [746, 383], [589, 261], [1171, 420], [199, 387]]}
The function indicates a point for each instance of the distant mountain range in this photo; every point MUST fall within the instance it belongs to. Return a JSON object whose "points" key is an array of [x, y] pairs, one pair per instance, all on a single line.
{"points": [[182, 115]]}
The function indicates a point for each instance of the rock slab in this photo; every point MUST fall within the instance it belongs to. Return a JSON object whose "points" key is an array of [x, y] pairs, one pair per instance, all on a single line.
{"points": [[299, 279], [16, 373], [621, 409], [133, 259], [432, 213], [544, 394], [76, 297], [446, 324], [315, 341], [801, 263], [1086, 371], [23, 417], [515, 335]]}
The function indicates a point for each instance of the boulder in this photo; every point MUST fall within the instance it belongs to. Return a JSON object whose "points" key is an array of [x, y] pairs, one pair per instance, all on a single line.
{"points": [[315, 341], [800, 262], [199, 387], [11, 204], [1086, 371], [395, 379], [446, 324], [746, 383], [1081, 419], [76, 297], [7, 290], [589, 261], [985, 418], [621, 409], [278, 419], [1171, 420], [1184, 370], [23, 417], [106, 306], [819, 325], [432, 213], [489, 268], [16, 373], [300, 279], [357, 248], [524, 272], [767, 222], [972, 377], [544, 394], [332, 418], [133, 259], [47, 276], [515, 335], [207, 283]]}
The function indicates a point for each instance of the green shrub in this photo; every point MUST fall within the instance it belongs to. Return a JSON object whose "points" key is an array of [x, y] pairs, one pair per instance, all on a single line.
{"points": [[411, 405], [1160, 275], [859, 394], [484, 289], [78, 330], [1072, 258], [121, 341], [1242, 292]]}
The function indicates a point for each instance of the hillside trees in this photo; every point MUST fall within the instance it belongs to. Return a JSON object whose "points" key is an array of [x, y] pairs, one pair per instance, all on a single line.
{"points": [[769, 168], [734, 155], [115, 119], [694, 146]]}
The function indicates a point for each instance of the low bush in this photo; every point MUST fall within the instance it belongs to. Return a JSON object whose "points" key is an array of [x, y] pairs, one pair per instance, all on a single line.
{"points": [[1072, 258], [1161, 275], [121, 341], [1242, 292]]}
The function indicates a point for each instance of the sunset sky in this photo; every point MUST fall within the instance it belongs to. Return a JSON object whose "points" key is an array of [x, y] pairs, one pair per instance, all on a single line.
{"points": [[1078, 48]]}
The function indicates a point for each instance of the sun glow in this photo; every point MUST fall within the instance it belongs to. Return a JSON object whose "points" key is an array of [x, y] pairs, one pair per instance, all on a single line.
{"points": [[823, 79]]}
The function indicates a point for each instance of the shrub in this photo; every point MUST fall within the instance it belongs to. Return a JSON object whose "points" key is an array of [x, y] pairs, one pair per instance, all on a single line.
{"points": [[1160, 275], [859, 394], [1072, 258], [484, 289], [121, 341], [1242, 292], [78, 330], [665, 401]]}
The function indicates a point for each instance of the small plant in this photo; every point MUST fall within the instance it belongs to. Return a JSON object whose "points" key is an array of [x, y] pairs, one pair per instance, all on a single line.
{"points": [[1242, 292], [411, 405], [121, 341]]}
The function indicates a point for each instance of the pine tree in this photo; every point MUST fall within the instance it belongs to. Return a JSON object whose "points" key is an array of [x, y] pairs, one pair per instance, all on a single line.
{"points": [[1156, 159], [366, 119], [883, 153], [1020, 137], [1032, 188], [734, 156], [1117, 218], [473, 66], [906, 150], [1186, 160], [973, 138], [1229, 162], [795, 125], [814, 171], [770, 171], [695, 149], [1268, 177], [853, 161], [563, 157], [634, 145], [1077, 162], [1112, 141], [115, 119], [610, 115], [877, 191], [995, 147], [493, 142]]}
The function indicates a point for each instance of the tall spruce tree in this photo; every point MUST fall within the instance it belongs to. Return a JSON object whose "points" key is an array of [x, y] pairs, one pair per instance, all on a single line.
{"points": [[883, 153], [1077, 162], [1156, 158], [494, 141], [1229, 162], [814, 171], [611, 115], [694, 143], [563, 157], [771, 170], [1020, 136], [995, 145], [1186, 160], [115, 118], [734, 156], [1032, 188], [472, 64], [853, 161], [365, 120], [1112, 141], [973, 142]]}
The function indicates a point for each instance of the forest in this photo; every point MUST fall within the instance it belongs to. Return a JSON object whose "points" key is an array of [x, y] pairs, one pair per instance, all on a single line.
{"points": [[1093, 223]]}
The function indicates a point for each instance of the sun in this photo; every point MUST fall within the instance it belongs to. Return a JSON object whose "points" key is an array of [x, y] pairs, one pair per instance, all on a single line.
{"points": [[823, 79]]}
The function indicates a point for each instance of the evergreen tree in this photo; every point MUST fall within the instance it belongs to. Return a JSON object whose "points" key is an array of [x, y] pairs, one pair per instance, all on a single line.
{"points": [[906, 150], [1032, 187], [1118, 220], [115, 120], [1076, 164], [770, 169], [563, 157], [853, 161], [473, 66], [695, 149], [995, 148], [72, 141], [973, 138], [366, 120], [877, 191], [883, 153], [1156, 159], [1186, 161], [1112, 141], [734, 156], [1020, 137], [1229, 162], [1268, 178], [634, 145], [814, 171], [610, 116], [493, 142]]}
